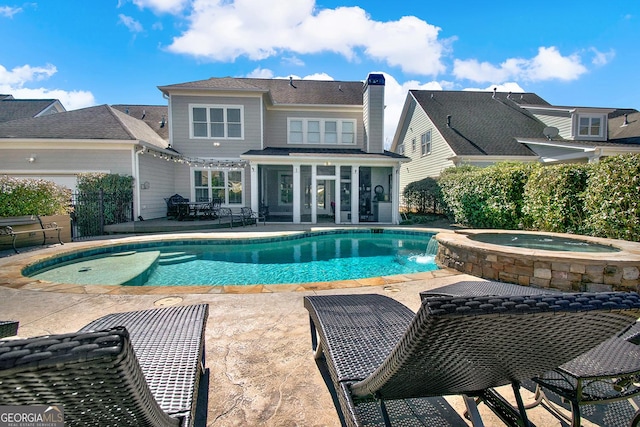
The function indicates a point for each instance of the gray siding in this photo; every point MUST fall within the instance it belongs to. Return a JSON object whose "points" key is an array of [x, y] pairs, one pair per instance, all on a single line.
{"points": [[160, 175], [276, 127], [430, 165], [204, 148], [561, 121]]}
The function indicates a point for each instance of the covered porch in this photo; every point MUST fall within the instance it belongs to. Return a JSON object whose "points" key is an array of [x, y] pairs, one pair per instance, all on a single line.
{"points": [[337, 186]]}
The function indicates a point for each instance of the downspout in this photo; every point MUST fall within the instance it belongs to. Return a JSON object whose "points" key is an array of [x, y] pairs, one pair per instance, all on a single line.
{"points": [[137, 182]]}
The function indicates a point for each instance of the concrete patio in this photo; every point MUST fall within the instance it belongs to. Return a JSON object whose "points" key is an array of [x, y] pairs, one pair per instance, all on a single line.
{"points": [[258, 351]]}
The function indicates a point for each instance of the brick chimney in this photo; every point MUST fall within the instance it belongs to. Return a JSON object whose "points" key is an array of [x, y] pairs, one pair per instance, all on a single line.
{"points": [[373, 113]]}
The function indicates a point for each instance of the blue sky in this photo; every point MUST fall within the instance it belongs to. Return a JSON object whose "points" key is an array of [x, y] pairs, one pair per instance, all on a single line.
{"points": [[118, 51]]}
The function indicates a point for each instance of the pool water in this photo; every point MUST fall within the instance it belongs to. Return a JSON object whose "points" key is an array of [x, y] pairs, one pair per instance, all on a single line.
{"points": [[313, 258], [541, 241]]}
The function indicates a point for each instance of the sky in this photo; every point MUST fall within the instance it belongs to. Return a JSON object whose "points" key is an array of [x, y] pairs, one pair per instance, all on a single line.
{"points": [[88, 53]]}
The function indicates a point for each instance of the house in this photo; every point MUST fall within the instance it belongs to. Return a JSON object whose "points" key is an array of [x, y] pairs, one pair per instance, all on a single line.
{"points": [[100, 139], [13, 109], [442, 129], [298, 150], [301, 151]]}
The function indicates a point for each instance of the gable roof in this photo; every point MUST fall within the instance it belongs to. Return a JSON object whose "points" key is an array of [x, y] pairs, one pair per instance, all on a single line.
{"points": [[155, 116], [14, 109], [282, 91], [482, 123], [100, 123]]}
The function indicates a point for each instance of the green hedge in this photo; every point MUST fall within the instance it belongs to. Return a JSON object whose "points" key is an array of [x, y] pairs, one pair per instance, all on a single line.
{"points": [[612, 198], [32, 197], [486, 197], [423, 196], [553, 198], [599, 199]]}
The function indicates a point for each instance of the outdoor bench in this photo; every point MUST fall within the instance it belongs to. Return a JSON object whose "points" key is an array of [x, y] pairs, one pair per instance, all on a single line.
{"points": [[7, 230]]}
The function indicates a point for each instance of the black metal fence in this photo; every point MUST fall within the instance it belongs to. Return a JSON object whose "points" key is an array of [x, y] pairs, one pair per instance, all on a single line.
{"points": [[92, 211]]}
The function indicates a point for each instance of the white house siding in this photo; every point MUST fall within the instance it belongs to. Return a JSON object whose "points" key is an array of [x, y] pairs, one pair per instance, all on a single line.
{"points": [[560, 120], [276, 126], [160, 175], [430, 165], [64, 164], [204, 148]]}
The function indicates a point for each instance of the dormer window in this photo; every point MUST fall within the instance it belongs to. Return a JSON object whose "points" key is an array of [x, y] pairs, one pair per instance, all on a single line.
{"points": [[590, 126]]}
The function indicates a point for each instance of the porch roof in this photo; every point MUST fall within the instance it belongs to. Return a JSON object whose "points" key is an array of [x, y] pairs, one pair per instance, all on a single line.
{"points": [[351, 153]]}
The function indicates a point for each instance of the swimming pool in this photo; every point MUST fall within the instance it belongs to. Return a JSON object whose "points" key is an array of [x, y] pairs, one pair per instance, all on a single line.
{"points": [[308, 257]]}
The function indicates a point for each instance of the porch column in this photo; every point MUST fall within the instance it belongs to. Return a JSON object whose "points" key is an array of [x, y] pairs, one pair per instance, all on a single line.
{"points": [[296, 193], [355, 195], [254, 191], [314, 194], [395, 195]]}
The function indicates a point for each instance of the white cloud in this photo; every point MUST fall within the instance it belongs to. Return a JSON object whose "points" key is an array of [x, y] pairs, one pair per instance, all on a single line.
{"points": [[133, 25], [222, 30], [13, 82], [548, 64], [261, 73], [8, 11], [602, 58], [503, 87], [162, 6]]}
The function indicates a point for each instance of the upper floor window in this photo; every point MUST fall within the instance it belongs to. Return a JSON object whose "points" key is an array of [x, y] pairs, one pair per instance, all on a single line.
{"points": [[321, 131], [400, 149], [413, 145], [217, 121], [590, 126], [425, 143]]}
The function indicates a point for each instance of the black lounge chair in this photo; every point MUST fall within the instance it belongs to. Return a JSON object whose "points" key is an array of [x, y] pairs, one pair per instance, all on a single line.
{"points": [[378, 351], [140, 368], [607, 373], [8, 328]]}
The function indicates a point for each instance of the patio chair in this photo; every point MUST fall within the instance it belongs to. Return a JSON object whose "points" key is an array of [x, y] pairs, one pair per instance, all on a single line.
{"points": [[251, 217], [8, 328], [173, 205], [140, 368], [377, 350], [607, 373]]}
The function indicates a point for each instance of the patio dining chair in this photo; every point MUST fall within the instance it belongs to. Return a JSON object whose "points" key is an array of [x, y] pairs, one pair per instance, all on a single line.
{"points": [[139, 368], [378, 351]]}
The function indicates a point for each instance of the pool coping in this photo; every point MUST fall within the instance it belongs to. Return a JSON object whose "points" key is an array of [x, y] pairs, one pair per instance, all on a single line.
{"points": [[11, 267]]}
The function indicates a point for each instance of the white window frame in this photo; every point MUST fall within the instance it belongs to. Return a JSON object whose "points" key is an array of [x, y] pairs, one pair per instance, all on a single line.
{"points": [[227, 186], [425, 143], [600, 134], [307, 130], [209, 122]]}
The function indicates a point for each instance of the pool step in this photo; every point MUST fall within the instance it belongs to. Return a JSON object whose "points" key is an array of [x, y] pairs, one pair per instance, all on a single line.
{"points": [[171, 258]]}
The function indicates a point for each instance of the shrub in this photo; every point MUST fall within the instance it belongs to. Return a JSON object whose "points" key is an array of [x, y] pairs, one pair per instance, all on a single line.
{"points": [[32, 197], [423, 196], [612, 198], [553, 198], [489, 197]]}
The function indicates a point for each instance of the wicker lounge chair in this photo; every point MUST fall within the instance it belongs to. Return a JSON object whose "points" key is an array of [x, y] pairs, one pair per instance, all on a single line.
{"points": [[139, 368], [607, 373], [378, 350]]}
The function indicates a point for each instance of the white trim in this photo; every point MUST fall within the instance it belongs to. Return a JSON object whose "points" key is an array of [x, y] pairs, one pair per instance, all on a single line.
{"points": [[225, 108], [321, 123]]}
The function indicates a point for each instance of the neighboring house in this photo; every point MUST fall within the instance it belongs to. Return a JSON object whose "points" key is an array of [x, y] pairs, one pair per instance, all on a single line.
{"points": [[441, 129], [98, 139], [304, 151], [300, 150], [13, 109]]}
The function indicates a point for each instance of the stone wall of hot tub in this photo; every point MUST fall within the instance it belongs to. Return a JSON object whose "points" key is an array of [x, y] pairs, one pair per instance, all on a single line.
{"points": [[570, 271]]}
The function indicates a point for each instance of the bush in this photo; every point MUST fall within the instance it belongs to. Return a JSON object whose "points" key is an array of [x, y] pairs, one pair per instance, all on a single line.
{"points": [[32, 197], [423, 196], [489, 197], [553, 198], [102, 199], [612, 198]]}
